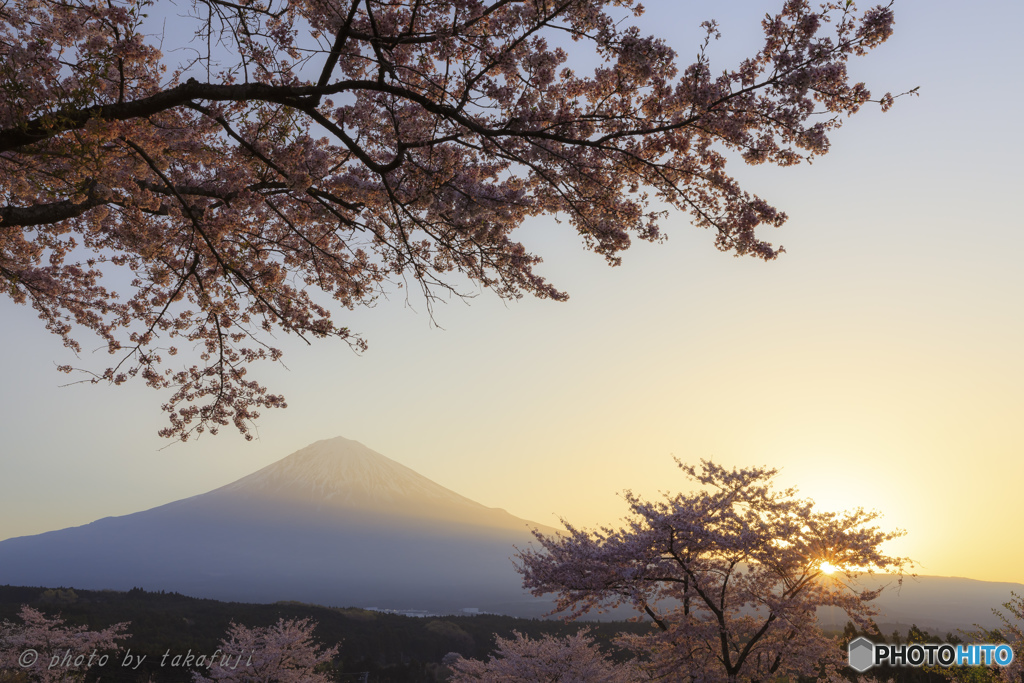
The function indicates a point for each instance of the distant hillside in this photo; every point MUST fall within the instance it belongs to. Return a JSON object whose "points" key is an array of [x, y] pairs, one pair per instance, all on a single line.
{"points": [[939, 604]]}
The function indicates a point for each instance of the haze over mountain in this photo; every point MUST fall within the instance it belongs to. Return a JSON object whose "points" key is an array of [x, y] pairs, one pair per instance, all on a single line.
{"points": [[334, 523]]}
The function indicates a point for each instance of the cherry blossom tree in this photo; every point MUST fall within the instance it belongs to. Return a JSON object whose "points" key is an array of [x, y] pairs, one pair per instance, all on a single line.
{"points": [[44, 649], [300, 156], [573, 659], [730, 575], [282, 653], [1010, 632], [1013, 632]]}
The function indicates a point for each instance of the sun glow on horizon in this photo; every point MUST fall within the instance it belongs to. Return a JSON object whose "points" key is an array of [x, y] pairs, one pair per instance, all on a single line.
{"points": [[828, 568]]}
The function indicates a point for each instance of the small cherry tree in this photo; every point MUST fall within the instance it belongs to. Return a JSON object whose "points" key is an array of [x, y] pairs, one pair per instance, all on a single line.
{"points": [[282, 653], [1012, 631], [730, 575], [573, 659], [43, 649]]}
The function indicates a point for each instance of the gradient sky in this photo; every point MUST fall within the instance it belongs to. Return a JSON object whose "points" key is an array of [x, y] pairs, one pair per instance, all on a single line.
{"points": [[878, 363]]}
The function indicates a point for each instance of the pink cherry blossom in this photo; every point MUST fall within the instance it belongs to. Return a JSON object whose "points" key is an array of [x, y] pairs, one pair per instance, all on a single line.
{"points": [[282, 653], [730, 575], [45, 650], [326, 152], [573, 659]]}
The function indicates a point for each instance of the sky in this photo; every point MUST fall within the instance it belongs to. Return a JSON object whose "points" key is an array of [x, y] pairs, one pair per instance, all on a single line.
{"points": [[877, 363]]}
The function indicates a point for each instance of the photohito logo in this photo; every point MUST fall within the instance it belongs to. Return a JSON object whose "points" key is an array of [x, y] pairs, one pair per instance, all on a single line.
{"points": [[864, 654]]}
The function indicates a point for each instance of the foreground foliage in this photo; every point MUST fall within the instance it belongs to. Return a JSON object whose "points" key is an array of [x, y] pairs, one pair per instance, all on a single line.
{"points": [[46, 650], [389, 647], [1011, 631], [283, 653], [573, 659]]}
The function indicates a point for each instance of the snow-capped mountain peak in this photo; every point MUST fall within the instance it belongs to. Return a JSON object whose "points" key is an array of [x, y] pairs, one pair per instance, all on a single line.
{"points": [[341, 473]]}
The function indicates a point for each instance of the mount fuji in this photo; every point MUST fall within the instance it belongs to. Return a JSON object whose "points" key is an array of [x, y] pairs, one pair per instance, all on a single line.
{"points": [[334, 523]]}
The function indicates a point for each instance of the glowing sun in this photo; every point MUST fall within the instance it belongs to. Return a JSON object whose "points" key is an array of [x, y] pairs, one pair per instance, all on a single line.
{"points": [[828, 567]]}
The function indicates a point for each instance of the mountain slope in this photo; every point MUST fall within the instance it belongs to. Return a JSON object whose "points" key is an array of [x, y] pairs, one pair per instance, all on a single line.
{"points": [[347, 477], [334, 523]]}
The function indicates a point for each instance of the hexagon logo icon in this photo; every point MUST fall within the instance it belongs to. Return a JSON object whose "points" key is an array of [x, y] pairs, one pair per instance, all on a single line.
{"points": [[862, 654]]}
